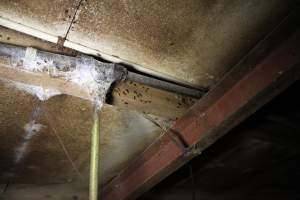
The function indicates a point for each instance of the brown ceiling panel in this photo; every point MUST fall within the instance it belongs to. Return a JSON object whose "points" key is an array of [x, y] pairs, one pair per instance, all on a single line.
{"points": [[52, 17], [49, 142], [193, 41]]}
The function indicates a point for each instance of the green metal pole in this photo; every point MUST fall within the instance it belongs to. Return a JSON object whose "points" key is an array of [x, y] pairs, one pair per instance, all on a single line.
{"points": [[93, 189]]}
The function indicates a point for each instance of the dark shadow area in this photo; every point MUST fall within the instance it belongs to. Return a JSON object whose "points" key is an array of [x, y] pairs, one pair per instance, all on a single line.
{"points": [[259, 159]]}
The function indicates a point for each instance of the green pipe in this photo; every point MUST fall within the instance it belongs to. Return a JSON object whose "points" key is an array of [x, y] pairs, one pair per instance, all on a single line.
{"points": [[95, 136]]}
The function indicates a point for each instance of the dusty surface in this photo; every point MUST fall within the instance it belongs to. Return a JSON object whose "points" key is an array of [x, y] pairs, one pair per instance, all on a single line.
{"points": [[195, 41], [142, 98], [125, 94], [65, 123], [67, 191], [192, 41], [52, 17], [14, 37]]}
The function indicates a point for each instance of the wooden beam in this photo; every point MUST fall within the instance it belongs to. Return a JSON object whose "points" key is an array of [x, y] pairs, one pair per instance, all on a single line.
{"points": [[126, 94], [252, 83], [43, 80], [135, 96]]}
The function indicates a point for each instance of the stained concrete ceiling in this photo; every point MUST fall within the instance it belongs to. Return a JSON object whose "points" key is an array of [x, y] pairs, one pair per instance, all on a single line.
{"points": [[194, 42]]}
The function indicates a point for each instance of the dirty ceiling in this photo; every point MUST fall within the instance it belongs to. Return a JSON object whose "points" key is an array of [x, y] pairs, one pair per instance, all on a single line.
{"points": [[59, 151], [194, 42]]}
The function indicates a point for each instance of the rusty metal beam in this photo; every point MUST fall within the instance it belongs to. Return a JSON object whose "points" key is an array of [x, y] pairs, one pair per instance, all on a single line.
{"points": [[269, 69]]}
